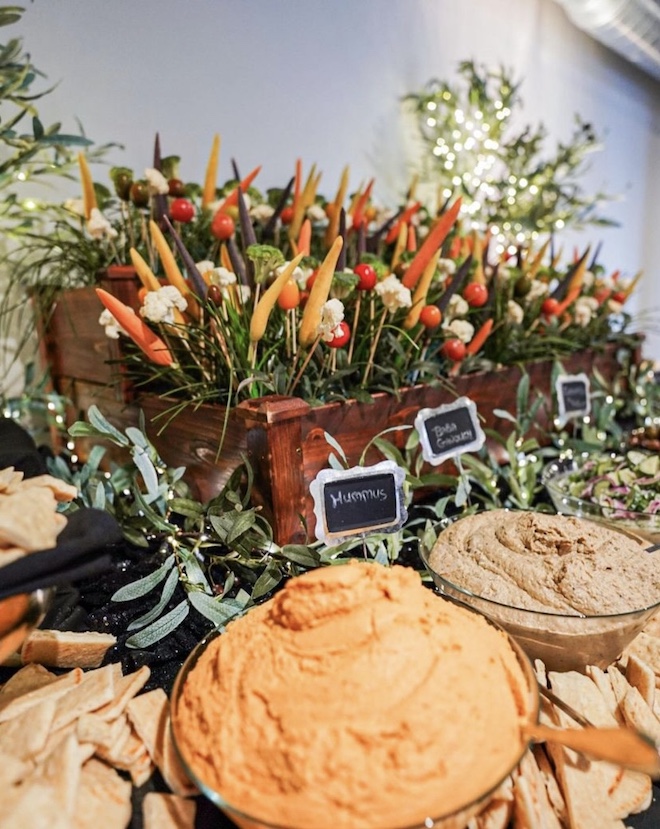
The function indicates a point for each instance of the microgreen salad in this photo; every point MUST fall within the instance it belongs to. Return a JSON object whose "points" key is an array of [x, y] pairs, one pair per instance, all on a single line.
{"points": [[622, 484]]}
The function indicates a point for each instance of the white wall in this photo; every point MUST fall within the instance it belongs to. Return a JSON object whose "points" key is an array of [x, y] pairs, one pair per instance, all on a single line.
{"points": [[321, 80]]}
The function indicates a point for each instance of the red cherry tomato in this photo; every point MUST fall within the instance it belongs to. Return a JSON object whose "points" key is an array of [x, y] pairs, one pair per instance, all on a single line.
{"points": [[368, 276], [182, 210], [475, 294], [619, 296], [222, 226], [139, 193], [340, 339], [286, 215], [310, 279], [453, 350], [289, 296], [549, 307], [430, 316]]}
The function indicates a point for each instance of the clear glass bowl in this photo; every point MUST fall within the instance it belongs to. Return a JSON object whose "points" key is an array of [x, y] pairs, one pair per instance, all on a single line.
{"points": [[644, 525], [562, 642], [19, 615], [454, 820]]}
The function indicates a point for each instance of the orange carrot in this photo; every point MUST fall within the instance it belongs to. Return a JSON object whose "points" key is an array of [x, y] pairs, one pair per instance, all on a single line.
{"points": [[333, 225], [479, 338], [305, 238], [404, 218], [232, 198], [411, 243], [361, 203], [434, 239], [137, 329], [571, 296]]}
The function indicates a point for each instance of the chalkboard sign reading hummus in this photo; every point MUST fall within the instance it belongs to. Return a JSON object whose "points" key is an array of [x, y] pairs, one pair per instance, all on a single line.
{"points": [[358, 501], [449, 430], [573, 398]]}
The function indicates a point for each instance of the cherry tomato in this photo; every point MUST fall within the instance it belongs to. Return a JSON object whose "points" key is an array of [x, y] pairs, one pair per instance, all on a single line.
{"points": [[214, 294], [342, 338], [522, 286], [430, 316], [549, 307], [289, 296], [310, 279], [123, 181], [139, 193], [619, 296], [222, 226], [182, 210], [453, 350], [475, 294], [177, 188], [286, 215], [368, 276]]}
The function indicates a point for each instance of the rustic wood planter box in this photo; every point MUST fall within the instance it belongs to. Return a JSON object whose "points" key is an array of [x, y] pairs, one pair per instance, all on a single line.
{"points": [[282, 437]]}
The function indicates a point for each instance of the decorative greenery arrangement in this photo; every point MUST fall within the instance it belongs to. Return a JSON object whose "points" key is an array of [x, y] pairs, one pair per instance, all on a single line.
{"points": [[222, 552], [475, 145]]}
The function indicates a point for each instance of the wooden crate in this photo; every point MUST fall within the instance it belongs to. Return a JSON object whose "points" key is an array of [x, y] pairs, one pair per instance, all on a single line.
{"points": [[282, 437]]}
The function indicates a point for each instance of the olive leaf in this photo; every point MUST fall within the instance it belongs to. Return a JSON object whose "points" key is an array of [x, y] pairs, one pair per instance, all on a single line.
{"points": [[168, 591], [161, 628], [144, 585]]}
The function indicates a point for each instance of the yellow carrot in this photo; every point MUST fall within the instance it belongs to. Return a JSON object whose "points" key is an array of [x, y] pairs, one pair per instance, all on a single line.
{"points": [[172, 271], [150, 343], [535, 264], [225, 259], [333, 224], [578, 276], [477, 255], [319, 294], [302, 203], [633, 284], [400, 245], [89, 195], [144, 272], [211, 177], [421, 290], [268, 299]]}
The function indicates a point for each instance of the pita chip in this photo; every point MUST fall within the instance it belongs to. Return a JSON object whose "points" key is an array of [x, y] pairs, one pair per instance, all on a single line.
{"points": [[104, 798], [67, 649], [167, 811]]}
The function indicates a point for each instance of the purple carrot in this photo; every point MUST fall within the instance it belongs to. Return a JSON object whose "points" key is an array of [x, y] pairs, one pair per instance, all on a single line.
{"points": [[361, 246], [234, 167], [456, 284], [269, 227], [594, 260], [374, 239], [248, 236], [560, 291], [159, 200], [237, 261], [195, 277]]}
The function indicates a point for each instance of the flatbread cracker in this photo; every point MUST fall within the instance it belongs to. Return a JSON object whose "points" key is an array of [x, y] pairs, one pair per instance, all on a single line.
{"points": [[104, 798], [28, 678], [67, 649], [96, 689], [640, 674], [25, 736], [15, 705]]}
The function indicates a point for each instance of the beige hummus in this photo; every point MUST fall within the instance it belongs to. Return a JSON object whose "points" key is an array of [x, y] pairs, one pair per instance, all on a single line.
{"points": [[547, 562], [354, 698]]}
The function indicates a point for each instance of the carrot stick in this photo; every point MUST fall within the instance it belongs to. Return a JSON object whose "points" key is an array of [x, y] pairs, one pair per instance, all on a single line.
{"points": [[144, 272], [361, 204], [137, 329], [480, 337], [431, 243], [232, 198], [421, 290], [89, 195], [319, 294], [305, 238], [172, 271], [210, 179], [404, 218]]}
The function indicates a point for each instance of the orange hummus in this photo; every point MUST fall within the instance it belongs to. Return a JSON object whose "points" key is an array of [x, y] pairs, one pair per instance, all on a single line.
{"points": [[355, 697]]}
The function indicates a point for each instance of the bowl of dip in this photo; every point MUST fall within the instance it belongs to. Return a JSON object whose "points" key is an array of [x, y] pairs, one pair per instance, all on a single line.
{"points": [[19, 614], [570, 591], [619, 489], [354, 697]]}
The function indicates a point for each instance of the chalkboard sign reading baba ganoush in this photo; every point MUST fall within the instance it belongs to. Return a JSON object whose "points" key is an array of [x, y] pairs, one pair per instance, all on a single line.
{"points": [[355, 502], [449, 430], [573, 398]]}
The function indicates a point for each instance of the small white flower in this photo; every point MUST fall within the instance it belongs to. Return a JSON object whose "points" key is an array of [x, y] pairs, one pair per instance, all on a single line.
{"points": [[316, 214], [262, 212], [537, 289], [393, 294], [462, 329], [514, 313], [584, 309], [112, 328], [99, 227], [332, 313], [456, 307], [159, 305], [156, 182], [76, 206]]}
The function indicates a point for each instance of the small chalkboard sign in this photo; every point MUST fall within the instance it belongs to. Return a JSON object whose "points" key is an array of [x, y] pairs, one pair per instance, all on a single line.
{"points": [[573, 396], [449, 430], [358, 501]]}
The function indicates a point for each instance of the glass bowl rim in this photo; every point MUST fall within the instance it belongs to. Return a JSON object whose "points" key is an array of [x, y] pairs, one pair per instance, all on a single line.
{"points": [[218, 800]]}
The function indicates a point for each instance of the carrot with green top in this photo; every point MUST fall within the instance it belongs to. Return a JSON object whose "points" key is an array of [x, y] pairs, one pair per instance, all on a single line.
{"points": [[436, 236], [150, 343], [319, 294]]}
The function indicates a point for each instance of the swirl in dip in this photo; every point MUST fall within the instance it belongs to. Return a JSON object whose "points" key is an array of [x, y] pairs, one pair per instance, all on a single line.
{"points": [[355, 697]]}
